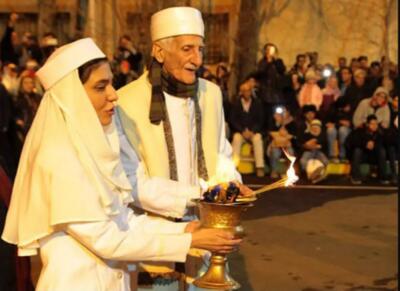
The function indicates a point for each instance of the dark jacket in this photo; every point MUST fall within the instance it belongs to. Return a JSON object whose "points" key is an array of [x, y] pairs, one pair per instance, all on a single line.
{"points": [[239, 119], [272, 80], [359, 138]]}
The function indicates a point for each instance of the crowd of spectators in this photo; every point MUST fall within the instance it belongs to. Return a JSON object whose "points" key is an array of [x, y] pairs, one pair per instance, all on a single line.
{"points": [[319, 113]]}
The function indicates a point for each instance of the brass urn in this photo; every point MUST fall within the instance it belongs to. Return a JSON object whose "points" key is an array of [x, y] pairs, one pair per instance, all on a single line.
{"points": [[227, 217]]}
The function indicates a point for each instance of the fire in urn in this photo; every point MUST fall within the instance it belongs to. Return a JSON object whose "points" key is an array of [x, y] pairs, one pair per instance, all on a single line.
{"points": [[221, 208]]}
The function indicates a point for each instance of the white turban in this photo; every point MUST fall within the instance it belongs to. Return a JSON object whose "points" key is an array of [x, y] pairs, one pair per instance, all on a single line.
{"points": [[176, 21], [69, 169]]}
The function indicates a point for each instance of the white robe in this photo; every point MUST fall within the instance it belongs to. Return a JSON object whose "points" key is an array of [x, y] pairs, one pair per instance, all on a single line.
{"points": [[93, 256]]}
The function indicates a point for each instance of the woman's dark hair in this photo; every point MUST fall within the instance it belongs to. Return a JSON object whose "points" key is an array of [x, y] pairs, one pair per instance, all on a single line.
{"points": [[86, 69]]}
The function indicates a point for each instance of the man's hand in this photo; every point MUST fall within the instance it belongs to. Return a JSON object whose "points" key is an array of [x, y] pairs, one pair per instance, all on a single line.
{"points": [[370, 145], [192, 226], [245, 191], [311, 144], [215, 240], [330, 125]]}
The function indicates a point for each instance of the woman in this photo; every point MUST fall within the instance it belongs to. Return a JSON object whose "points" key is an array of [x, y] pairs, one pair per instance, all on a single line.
{"points": [[70, 195]]}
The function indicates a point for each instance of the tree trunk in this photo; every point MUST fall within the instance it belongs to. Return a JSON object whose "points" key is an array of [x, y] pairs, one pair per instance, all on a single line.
{"points": [[247, 38]]}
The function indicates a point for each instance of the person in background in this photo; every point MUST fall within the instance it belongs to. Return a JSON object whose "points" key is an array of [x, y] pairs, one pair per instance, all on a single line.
{"points": [[358, 90], [391, 138], [246, 120], [125, 75], [10, 79], [345, 79], [338, 127], [313, 160], [310, 93], [354, 65], [376, 105], [330, 94], [48, 44], [26, 105], [10, 44], [374, 76], [282, 136], [365, 144], [30, 50], [271, 77], [363, 61], [127, 51]]}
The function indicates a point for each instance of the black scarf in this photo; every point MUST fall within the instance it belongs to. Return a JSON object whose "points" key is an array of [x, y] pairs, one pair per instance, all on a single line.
{"points": [[162, 81]]}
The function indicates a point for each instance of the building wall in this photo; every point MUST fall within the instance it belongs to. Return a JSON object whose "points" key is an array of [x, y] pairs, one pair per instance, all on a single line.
{"points": [[333, 28]]}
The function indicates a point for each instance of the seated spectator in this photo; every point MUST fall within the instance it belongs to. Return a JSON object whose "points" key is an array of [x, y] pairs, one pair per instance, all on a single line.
{"points": [[246, 120], [358, 90], [338, 127], [313, 160], [282, 136], [376, 105], [330, 94], [309, 113], [365, 144], [310, 93]]}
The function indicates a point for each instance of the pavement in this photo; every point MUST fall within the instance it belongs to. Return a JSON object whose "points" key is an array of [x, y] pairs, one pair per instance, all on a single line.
{"points": [[332, 236]]}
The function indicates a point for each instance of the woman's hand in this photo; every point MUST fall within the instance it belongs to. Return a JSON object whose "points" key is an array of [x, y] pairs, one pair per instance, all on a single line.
{"points": [[215, 240], [192, 226]]}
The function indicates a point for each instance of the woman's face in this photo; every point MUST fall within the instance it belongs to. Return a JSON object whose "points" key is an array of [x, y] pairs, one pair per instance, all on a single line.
{"points": [[27, 85], [101, 93]]}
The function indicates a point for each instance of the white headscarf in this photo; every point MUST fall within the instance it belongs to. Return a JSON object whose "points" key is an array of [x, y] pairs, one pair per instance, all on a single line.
{"points": [[69, 170]]}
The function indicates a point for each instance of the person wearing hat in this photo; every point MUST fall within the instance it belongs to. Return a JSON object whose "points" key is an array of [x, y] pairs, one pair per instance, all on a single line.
{"points": [[313, 160], [310, 93], [71, 193], [174, 121], [377, 105]]}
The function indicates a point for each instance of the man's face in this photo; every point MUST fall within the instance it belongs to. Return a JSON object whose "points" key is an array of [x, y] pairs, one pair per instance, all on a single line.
{"points": [[310, 115], [342, 62], [359, 80], [379, 99], [346, 75], [373, 125], [301, 61], [245, 91], [315, 130], [183, 57]]}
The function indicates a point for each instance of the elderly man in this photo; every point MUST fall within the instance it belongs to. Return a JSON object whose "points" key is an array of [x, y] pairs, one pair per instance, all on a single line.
{"points": [[174, 121]]}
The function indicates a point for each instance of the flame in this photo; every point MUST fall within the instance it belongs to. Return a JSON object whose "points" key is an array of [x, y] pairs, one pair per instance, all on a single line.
{"points": [[290, 173], [225, 172]]}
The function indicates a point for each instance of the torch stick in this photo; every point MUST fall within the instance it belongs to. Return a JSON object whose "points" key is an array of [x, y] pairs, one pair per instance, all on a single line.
{"points": [[270, 187]]}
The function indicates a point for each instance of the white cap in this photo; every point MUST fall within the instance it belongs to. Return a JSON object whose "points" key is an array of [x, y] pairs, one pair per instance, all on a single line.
{"points": [[66, 59], [176, 21]]}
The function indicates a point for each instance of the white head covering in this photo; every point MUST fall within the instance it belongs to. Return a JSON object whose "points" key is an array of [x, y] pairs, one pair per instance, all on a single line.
{"points": [[69, 170], [176, 21]]}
